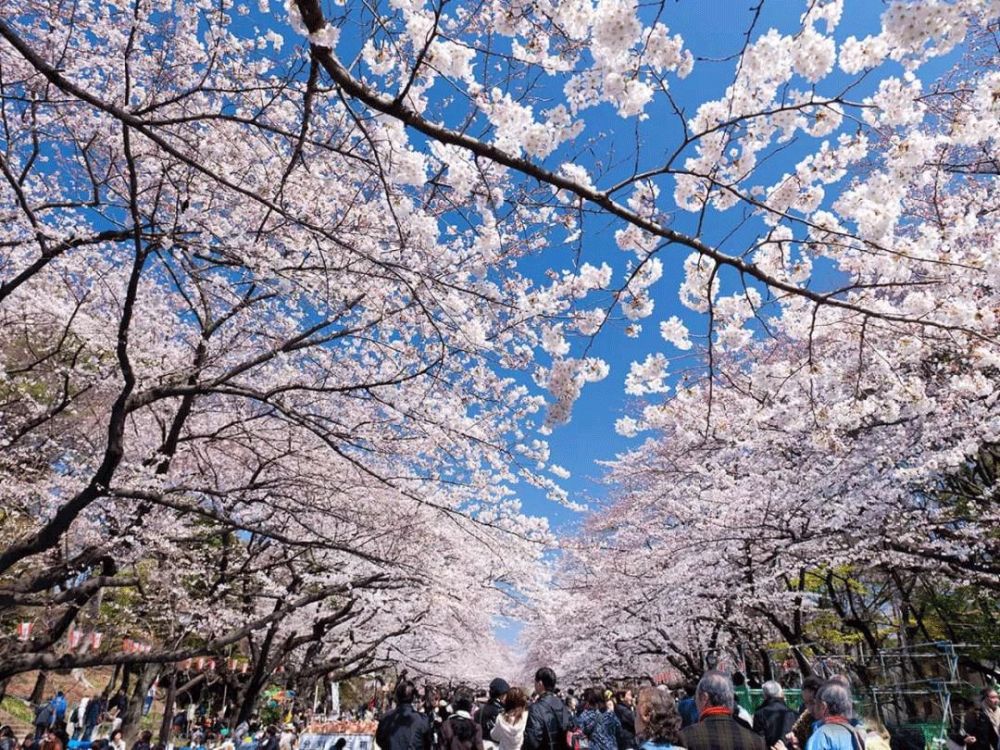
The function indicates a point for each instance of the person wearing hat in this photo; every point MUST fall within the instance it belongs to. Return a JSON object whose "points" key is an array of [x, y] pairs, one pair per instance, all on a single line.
{"points": [[494, 707]]}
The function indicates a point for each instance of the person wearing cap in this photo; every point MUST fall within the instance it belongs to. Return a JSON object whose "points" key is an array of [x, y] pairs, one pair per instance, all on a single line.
{"points": [[494, 707]]}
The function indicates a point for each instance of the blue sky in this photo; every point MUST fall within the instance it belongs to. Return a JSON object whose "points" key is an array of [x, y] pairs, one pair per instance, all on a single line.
{"points": [[711, 30]]}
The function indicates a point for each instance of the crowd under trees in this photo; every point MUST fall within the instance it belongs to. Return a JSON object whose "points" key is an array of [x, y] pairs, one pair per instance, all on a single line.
{"points": [[277, 360]]}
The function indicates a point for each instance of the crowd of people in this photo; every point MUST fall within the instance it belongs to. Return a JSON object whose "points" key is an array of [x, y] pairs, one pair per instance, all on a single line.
{"points": [[705, 717]]}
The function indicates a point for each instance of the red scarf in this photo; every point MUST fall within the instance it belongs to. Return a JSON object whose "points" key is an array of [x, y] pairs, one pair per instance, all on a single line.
{"points": [[715, 711], [838, 720]]}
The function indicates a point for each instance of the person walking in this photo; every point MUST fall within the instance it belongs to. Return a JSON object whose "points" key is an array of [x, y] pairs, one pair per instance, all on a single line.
{"points": [[270, 741], [598, 722], [799, 734], [50, 741], [403, 728], [460, 731], [44, 717], [774, 719], [494, 707], [508, 730], [716, 728], [7, 739], [59, 706], [548, 717], [982, 726], [657, 720], [686, 706], [95, 707], [625, 711], [145, 741], [834, 730]]}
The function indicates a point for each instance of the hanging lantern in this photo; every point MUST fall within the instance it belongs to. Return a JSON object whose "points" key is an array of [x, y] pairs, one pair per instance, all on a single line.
{"points": [[199, 663], [128, 645], [185, 665], [244, 667], [211, 665], [24, 630], [231, 665], [75, 637], [95, 639]]}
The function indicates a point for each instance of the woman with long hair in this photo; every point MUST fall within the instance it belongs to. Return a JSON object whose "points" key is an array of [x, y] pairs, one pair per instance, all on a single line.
{"points": [[657, 720], [459, 731], [508, 732]]}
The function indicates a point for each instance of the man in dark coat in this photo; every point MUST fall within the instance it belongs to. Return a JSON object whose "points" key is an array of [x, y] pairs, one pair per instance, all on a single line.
{"points": [[774, 719], [716, 728], [548, 717], [625, 711], [489, 713], [404, 728], [44, 716], [982, 726], [91, 717]]}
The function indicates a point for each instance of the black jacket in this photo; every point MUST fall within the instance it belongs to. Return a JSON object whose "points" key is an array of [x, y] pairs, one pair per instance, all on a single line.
{"points": [[773, 720], [548, 722], [720, 733], [626, 717], [488, 716], [403, 728], [978, 724]]}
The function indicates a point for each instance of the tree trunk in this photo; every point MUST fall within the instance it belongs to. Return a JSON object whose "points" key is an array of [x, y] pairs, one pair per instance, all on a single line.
{"points": [[106, 693], [144, 676], [249, 694], [38, 692], [126, 674], [166, 724]]}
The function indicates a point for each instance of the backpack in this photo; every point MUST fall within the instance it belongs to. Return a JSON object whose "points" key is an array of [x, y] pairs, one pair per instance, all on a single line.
{"points": [[576, 739]]}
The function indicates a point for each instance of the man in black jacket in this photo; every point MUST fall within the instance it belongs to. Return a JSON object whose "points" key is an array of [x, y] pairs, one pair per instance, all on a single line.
{"points": [[982, 726], [548, 717], [625, 711], [774, 719], [404, 728], [716, 728], [489, 713]]}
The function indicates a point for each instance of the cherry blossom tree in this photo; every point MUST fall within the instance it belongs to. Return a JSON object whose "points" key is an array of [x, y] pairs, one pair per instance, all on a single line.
{"points": [[823, 463]]}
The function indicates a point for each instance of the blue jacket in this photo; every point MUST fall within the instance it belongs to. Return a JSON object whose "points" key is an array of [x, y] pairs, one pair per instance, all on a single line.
{"points": [[834, 736], [59, 705], [602, 729]]}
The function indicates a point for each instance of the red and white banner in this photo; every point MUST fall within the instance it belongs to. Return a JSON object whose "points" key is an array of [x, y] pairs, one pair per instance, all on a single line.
{"points": [[199, 663], [95, 639], [243, 669], [211, 665], [24, 630], [75, 637], [128, 646]]}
